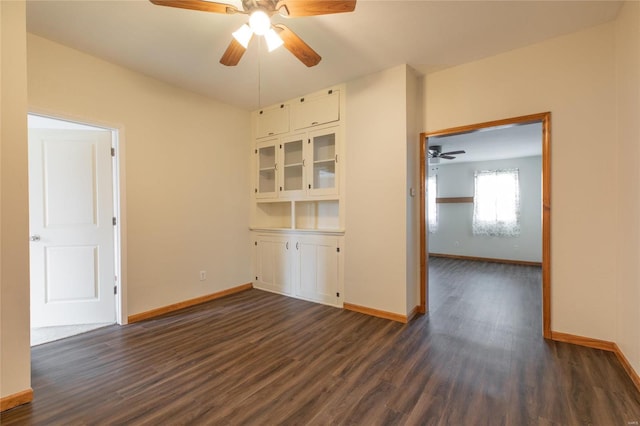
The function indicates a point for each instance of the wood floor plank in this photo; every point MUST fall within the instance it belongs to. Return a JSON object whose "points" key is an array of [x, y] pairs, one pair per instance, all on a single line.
{"points": [[257, 358]]}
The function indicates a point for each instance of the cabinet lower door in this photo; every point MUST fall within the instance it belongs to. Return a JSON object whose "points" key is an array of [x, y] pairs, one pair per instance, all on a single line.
{"points": [[317, 269], [273, 264]]}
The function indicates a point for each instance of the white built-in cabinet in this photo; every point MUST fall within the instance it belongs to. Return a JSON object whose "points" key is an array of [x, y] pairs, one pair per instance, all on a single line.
{"points": [[304, 266], [298, 208], [300, 165]]}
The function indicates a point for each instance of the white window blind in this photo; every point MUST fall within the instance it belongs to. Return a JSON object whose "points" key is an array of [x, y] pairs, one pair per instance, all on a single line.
{"points": [[496, 209]]}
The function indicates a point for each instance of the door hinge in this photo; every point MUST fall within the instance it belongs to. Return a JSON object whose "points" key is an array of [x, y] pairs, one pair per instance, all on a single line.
{"points": [[115, 289], [338, 249], [114, 221], [113, 152]]}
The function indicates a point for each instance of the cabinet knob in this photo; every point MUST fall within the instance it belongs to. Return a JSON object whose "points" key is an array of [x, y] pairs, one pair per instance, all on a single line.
{"points": [[34, 238]]}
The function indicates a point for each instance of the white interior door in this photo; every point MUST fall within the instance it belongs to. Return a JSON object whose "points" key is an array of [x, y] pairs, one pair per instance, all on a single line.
{"points": [[71, 210]]}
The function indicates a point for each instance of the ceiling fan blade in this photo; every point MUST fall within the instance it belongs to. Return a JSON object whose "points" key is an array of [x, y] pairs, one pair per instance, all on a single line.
{"points": [[233, 54], [298, 47], [446, 157], [295, 8], [201, 5], [453, 153]]}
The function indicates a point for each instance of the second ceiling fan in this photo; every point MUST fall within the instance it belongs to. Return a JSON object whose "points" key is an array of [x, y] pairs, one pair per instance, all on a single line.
{"points": [[260, 12], [435, 154]]}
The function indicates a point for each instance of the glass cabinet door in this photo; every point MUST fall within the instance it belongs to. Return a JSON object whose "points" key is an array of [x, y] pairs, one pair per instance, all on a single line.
{"points": [[267, 166], [292, 165], [323, 179]]}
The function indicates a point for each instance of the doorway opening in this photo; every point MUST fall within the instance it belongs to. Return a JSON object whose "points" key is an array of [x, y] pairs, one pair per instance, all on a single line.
{"points": [[74, 203], [544, 119]]}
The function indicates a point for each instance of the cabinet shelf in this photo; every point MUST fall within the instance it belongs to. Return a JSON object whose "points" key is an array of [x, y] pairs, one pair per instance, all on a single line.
{"points": [[294, 165], [337, 231]]}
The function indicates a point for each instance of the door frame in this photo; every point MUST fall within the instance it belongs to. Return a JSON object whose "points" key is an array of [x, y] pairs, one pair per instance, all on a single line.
{"points": [[545, 119], [119, 206]]}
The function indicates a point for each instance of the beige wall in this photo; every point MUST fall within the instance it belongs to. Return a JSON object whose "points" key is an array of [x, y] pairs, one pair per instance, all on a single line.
{"points": [[414, 127], [574, 78], [15, 354], [376, 179], [187, 180], [628, 127]]}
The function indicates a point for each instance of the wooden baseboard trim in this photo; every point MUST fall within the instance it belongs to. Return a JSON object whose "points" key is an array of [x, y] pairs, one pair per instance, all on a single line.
{"points": [[376, 313], [583, 341], [415, 311], [635, 378], [187, 303], [20, 398], [600, 344], [486, 259]]}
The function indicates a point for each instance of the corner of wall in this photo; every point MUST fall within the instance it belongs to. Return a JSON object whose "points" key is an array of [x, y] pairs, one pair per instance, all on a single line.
{"points": [[15, 355], [627, 56]]}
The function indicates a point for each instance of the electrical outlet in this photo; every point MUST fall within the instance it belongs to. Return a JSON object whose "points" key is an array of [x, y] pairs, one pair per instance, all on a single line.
{"points": [[203, 275]]}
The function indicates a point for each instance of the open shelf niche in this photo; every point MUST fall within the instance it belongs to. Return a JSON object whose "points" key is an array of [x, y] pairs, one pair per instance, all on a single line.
{"points": [[308, 215]]}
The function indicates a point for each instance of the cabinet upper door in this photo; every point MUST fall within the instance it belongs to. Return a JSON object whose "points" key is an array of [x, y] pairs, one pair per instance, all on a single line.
{"points": [[272, 121], [323, 169], [292, 164], [267, 167], [309, 112]]}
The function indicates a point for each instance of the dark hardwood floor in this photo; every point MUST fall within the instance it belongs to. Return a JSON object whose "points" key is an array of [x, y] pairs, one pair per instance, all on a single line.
{"points": [[258, 358]]}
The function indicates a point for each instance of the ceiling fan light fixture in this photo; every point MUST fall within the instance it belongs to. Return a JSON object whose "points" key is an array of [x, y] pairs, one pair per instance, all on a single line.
{"points": [[259, 22], [273, 40], [243, 35]]}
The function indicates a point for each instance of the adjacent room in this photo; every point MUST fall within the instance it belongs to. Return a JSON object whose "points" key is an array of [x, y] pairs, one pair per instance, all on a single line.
{"points": [[320, 211]]}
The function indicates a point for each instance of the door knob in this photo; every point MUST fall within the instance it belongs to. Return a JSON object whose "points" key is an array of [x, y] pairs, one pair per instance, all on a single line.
{"points": [[35, 238]]}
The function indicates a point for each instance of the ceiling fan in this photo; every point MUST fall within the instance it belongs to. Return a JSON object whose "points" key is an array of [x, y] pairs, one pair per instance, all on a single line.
{"points": [[260, 12], [435, 153]]}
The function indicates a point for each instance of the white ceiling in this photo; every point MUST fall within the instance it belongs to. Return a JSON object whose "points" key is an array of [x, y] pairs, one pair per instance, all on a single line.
{"points": [[496, 143], [183, 47]]}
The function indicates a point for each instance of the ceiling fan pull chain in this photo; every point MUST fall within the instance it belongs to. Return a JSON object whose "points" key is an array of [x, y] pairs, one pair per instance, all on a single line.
{"points": [[259, 75]]}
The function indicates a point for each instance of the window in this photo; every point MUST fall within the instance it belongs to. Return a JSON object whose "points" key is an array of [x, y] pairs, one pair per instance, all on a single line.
{"points": [[432, 210], [496, 205]]}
